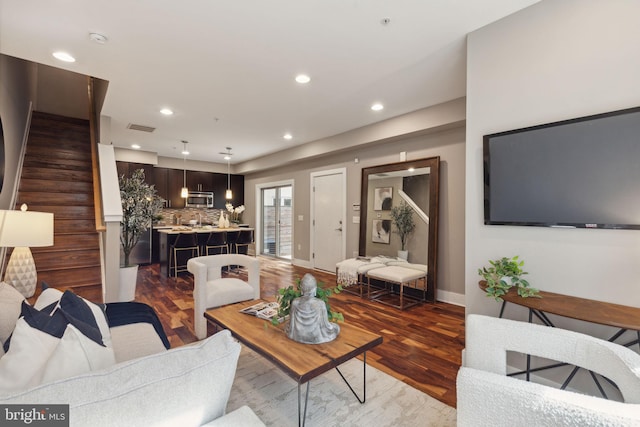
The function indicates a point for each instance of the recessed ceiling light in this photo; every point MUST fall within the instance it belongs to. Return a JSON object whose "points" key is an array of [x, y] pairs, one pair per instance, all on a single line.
{"points": [[377, 107], [303, 78], [166, 111], [64, 56], [135, 146], [287, 136]]}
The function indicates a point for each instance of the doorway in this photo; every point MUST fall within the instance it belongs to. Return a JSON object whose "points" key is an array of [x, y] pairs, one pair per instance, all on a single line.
{"points": [[277, 227], [328, 234]]}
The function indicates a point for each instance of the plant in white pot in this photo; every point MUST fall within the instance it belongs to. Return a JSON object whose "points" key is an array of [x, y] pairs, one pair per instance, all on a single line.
{"points": [[140, 205], [503, 274], [402, 217]]}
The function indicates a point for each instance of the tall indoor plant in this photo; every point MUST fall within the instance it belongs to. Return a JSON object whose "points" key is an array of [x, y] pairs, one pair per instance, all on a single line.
{"points": [[140, 204], [402, 216]]}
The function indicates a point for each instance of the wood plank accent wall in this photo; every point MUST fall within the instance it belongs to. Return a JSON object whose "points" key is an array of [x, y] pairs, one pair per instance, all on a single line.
{"points": [[57, 177]]}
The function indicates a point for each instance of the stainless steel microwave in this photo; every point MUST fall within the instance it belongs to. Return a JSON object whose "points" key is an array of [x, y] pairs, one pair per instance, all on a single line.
{"points": [[200, 199]]}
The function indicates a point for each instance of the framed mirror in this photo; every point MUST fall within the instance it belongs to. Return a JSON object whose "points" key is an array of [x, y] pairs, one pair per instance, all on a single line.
{"points": [[415, 183]]}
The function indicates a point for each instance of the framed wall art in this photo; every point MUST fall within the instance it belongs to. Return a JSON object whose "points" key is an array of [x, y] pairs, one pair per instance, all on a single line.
{"points": [[382, 198], [381, 231]]}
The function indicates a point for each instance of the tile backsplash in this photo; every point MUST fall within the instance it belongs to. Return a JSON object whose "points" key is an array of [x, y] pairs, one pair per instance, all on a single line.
{"points": [[171, 216]]}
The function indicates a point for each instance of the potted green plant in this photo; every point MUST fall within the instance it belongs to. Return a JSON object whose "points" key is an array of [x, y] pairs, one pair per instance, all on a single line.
{"points": [[503, 274], [287, 295], [140, 205], [402, 217]]}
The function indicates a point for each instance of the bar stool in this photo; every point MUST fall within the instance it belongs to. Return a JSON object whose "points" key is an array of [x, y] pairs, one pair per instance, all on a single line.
{"points": [[232, 238], [245, 238], [217, 240], [183, 242]]}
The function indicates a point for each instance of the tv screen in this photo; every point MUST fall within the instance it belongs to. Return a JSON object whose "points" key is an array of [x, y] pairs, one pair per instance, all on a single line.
{"points": [[583, 172]]}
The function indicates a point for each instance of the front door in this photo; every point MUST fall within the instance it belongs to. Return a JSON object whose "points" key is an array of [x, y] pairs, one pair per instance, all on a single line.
{"points": [[328, 218]]}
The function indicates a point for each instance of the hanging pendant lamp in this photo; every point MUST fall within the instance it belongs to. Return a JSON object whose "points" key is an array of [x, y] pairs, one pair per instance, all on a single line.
{"points": [[184, 193], [228, 194]]}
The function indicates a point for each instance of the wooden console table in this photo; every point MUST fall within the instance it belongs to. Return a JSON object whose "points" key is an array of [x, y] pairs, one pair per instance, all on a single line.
{"points": [[623, 317]]}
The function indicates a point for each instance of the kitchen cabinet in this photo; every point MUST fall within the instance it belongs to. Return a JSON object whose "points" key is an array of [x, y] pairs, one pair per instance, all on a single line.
{"points": [[237, 187], [168, 184], [128, 168], [220, 188], [199, 181]]}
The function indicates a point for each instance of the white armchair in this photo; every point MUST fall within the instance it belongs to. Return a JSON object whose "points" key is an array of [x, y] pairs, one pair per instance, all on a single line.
{"points": [[212, 290], [487, 397]]}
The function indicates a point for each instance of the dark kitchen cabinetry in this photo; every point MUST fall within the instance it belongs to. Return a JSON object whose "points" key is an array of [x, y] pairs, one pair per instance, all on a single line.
{"points": [[199, 181], [220, 188], [168, 184], [128, 168], [237, 187]]}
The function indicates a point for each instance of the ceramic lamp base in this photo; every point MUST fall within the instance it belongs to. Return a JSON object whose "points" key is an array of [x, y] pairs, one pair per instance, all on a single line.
{"points": [[21, 271]]}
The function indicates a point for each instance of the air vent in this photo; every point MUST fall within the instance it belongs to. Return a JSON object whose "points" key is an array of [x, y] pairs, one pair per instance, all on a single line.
{"points": [[142, 128]]}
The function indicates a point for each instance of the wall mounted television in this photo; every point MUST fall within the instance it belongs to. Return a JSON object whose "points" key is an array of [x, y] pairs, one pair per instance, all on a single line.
{"points": [[578, 173]]}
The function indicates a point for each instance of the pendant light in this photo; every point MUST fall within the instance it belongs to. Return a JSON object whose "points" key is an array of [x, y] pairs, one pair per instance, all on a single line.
{"points": [[227, 156], [184, 193]]}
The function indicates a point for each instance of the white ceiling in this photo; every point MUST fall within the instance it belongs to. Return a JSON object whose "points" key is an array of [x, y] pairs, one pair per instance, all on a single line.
{"points": [[227, 67]]}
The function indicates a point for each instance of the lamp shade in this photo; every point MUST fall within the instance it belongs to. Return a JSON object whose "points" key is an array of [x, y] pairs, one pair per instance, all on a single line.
{"points": [[20, 230], [24, 228]]}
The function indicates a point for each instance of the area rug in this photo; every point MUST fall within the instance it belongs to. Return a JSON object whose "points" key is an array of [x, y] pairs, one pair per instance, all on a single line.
{"points": [[272, 395]]}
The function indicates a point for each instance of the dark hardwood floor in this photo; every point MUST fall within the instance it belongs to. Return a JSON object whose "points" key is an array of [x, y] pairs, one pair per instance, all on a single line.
{"points": [[422, 345]]}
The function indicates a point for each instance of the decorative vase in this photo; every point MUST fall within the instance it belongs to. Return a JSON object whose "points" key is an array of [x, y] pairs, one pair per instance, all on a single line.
{"points": [[403, 255], [128, 279]]}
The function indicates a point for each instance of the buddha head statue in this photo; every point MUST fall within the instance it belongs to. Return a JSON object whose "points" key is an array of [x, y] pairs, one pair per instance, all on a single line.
{"points": [[308, 285]]}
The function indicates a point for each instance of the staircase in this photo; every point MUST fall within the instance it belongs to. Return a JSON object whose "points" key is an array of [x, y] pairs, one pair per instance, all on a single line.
{"points": [[57, 177]]}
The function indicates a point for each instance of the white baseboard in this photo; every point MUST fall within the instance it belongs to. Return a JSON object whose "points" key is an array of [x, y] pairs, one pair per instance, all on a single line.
{"points": [[450, 297], [302, 263]]}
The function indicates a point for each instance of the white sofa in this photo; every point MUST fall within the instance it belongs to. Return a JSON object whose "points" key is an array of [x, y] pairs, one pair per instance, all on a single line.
{"points": [[147, 385], [487, 397]]}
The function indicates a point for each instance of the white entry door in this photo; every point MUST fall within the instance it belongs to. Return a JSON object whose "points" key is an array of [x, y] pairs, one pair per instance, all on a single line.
{"points": [[328, 218]]}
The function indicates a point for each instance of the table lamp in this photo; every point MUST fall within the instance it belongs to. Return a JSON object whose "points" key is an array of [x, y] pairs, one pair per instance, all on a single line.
{"points": [[21, 230]]}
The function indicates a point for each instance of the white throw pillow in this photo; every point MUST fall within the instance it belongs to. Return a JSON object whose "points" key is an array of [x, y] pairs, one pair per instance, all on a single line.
{"points": [[59, 342], [27, 355], [10, 303], [75, 354]]}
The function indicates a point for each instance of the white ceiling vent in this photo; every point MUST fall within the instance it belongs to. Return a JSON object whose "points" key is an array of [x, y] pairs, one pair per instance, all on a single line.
{"points": [[142, 128]]}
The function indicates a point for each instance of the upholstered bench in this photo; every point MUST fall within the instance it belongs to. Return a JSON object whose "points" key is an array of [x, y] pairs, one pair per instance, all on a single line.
{"points": [[401, 275], [351, 272]]}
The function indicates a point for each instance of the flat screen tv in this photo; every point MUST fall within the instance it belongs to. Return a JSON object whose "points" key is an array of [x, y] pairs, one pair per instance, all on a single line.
{"points": [[579, 173]]}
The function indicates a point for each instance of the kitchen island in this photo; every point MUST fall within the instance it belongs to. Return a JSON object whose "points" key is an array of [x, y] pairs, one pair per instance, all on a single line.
{"points": [[168, 237]]}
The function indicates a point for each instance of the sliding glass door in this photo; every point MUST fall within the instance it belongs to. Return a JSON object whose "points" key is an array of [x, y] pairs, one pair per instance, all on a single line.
{"points": [[277, 222]]}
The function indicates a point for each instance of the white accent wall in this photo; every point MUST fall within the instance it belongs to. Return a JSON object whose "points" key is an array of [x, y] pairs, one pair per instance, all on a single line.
{"points": [[553, 61]]}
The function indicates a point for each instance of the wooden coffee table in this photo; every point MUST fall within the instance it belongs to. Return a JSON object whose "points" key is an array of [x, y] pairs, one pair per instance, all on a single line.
{"points": [[302, 362]]}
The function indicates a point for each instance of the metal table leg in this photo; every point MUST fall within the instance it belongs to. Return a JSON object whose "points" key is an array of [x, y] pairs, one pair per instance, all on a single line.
{"points": [[302, 412]]}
